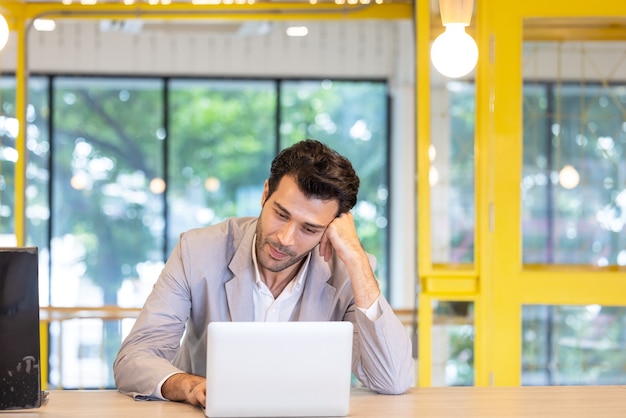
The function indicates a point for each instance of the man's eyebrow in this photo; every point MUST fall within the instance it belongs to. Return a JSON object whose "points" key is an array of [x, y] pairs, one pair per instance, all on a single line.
{"points": [[309, 224]]}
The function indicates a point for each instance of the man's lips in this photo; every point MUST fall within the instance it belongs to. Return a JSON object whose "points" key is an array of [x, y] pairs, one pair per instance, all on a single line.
{"points": [[274, 253]]}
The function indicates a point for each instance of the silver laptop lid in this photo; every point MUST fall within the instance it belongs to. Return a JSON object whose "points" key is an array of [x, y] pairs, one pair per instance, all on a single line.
{"points": [[278, 369]]}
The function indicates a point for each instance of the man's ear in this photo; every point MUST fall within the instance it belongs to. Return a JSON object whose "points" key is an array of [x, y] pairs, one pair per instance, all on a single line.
{"points": [[266, 188]]}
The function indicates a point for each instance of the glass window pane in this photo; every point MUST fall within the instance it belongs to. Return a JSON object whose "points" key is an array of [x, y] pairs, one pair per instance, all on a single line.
{"points": [[8, 158], [108, 184], [573, 184], [573, 345], [451, 177], [107, 211], [38, 178], [37, 170], [453, 344], [76, 354], [352, 118], [222, 138]]}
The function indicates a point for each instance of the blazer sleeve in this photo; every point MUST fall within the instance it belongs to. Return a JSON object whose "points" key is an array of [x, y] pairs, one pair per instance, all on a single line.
{"points": [[383, 355], [146, 354]]}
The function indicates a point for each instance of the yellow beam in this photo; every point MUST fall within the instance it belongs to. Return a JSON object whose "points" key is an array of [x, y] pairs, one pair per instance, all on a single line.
{"points": [[565, 8], [257, 11], [450, 286], [43, 353], [20, 105], [577, 29], [504, 152], [422, 117], [573, 288], [424, 340], [484, 140]]}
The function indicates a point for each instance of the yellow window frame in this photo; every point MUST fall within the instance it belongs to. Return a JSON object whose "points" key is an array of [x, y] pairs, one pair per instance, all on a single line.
{"points": [[497, 282]]}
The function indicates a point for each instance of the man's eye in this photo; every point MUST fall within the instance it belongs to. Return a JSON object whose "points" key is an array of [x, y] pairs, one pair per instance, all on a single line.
{"points": [[282, 215]]}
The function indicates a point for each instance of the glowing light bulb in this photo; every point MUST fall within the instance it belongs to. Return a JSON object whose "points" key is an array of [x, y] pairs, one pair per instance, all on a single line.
{"points": [[454, 53], [4, 32], [44, 25]]}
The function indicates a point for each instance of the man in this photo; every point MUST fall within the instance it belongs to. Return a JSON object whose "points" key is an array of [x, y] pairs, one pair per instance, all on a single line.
{"points": [[300, 260]]}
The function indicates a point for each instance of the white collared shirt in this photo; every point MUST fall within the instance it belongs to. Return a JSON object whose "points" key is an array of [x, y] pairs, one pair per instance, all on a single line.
{"points": [[270, 309]]}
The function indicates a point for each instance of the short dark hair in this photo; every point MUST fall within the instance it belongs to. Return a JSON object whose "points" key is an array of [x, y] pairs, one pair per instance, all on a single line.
{"points": [[319, 171]]}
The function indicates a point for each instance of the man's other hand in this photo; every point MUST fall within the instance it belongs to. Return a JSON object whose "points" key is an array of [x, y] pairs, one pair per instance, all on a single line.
{"points": [[185, 387]]}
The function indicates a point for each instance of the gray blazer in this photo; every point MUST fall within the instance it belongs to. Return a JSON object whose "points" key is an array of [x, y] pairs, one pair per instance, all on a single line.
{"points": [[210, 277]]}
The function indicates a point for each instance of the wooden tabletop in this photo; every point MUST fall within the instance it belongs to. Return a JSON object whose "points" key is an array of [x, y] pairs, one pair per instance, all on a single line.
{"points": [[497, 402], [466, 402]]}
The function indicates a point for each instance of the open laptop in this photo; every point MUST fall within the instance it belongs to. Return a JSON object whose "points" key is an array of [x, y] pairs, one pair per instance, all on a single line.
{"points": [[278, 369]]}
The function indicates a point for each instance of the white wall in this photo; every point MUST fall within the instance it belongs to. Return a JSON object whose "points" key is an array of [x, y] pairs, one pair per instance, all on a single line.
{"points": [[353, 49]]}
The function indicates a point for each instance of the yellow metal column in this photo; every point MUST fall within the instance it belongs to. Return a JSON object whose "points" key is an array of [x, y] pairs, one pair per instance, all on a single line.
{"points": [[422, 105], [498, 169], [18, 25]]}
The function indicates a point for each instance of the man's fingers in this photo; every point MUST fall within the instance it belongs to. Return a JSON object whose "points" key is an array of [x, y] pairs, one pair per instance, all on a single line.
{"points": [[328, 253], [199, 395], [326, 248], [202, 399]]}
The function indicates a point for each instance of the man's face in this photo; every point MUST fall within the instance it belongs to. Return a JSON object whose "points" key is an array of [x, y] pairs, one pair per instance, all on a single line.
{"points": [[290, 225]]}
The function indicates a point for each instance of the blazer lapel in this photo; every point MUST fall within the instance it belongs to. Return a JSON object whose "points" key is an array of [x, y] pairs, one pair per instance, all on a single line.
{"points": [[239, 289]]}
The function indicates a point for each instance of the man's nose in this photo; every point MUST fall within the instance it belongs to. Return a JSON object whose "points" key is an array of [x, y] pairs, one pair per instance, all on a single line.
{"points": [[286, 234]]}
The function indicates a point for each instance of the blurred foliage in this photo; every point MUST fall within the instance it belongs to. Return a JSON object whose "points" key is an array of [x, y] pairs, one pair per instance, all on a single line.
{"points": [[112, 139], [580, 125], [454, 158], [457, 318], [573, 345]]}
